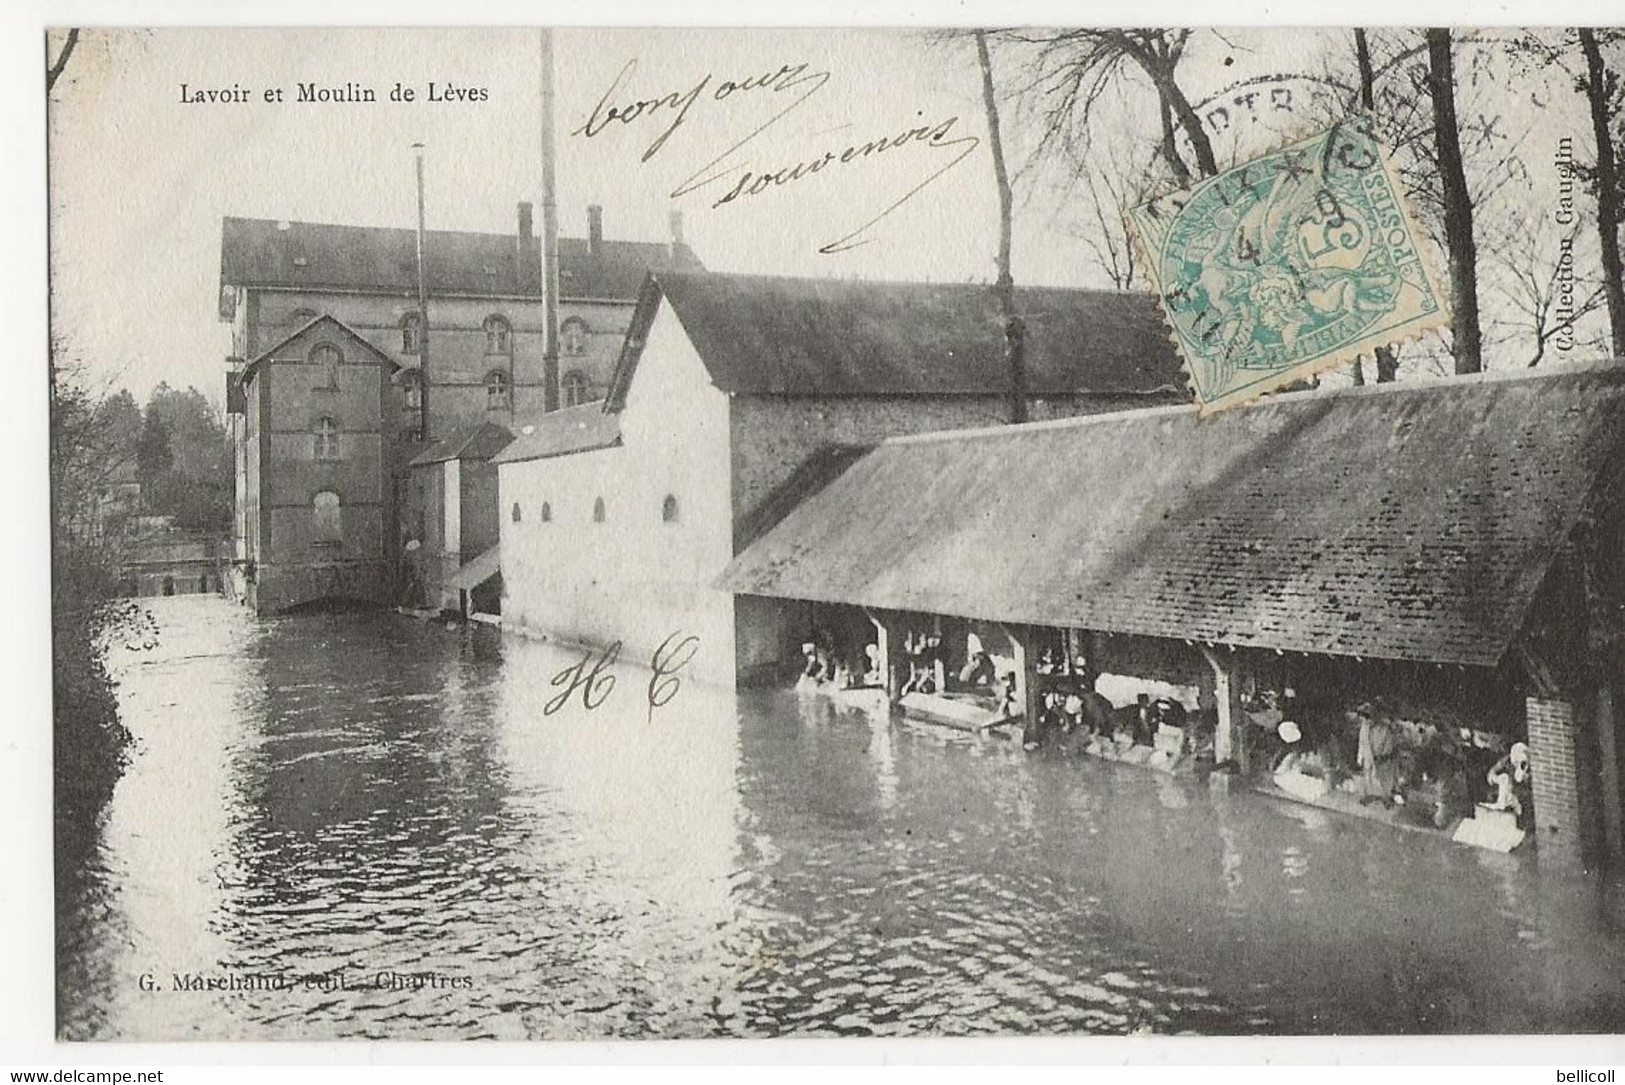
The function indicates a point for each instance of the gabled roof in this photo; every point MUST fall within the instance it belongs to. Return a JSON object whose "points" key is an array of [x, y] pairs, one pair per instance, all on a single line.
{"points": [[476, 442], [560, 433], [773, 335], [1396, 521], [344, 330], [264, 252]]}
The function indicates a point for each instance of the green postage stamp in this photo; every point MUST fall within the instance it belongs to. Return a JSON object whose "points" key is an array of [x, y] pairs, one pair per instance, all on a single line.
{"points": [[1293, 263]]}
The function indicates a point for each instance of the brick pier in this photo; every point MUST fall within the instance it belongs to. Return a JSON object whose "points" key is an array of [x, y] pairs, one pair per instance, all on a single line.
{"points": [[1555, 767]]}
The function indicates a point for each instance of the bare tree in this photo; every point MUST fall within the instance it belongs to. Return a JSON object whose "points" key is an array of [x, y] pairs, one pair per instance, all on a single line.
{"points": [[1460, 164], [1601, 88], [1466, 340], [1004, 288], [1387, 363], [1158, 53], [1543, 299], [1105, 230], [1075, 68]]}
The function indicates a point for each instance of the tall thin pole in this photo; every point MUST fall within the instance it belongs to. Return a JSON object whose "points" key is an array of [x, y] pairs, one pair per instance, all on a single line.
{"points": [[550, 239], [423, 302]]}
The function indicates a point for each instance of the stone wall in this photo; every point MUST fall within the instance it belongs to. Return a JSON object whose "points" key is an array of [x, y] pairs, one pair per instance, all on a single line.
{"points": [[276, 588], [593, 556], [288, 394], [774, 435], [458, 357]]}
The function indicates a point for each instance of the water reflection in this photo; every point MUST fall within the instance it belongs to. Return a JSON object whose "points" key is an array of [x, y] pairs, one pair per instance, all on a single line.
{"points": [[348, 795]]}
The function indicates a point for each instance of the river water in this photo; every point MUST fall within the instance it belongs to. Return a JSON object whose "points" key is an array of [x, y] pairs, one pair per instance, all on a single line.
{"points": [[334, 798]]}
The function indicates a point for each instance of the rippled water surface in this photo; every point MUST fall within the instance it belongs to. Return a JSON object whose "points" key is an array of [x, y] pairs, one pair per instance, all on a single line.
{"points": [[350, 795]]}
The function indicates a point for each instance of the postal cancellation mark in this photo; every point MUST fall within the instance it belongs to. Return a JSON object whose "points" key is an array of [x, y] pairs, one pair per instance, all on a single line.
{"points": [[1289, 264]]}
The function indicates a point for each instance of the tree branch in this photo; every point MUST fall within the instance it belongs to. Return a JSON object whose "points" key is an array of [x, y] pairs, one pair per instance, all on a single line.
{"points": [[53, 71]]}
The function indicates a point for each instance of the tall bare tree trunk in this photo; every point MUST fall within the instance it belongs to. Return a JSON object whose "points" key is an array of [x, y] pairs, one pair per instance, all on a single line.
{"points": [[1181, 107], [1170, 149], [1387, 363], [1608, 187], [1005, 287], [1458, 206]]}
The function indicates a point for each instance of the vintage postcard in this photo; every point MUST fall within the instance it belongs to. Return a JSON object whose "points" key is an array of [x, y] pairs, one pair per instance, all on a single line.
{"points": [[645, 533]]}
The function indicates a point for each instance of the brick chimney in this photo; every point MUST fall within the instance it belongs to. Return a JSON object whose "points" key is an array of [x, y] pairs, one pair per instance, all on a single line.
{"points": [[677, 242], [595, 228], [527, 255]]}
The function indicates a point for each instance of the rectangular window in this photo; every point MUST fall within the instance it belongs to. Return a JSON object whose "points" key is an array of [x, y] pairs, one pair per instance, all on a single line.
{"points": [[327, 439], [412, 334]]}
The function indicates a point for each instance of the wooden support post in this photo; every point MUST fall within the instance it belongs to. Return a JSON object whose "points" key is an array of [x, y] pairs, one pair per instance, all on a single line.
{"points": [[1027, 688], [1024, 648], [884, 642], [939, 666], [1230, 736]]}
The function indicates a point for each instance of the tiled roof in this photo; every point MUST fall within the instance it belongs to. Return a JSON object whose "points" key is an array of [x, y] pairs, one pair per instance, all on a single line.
{"points": [[559, 433], [478, 442], [1397, 521], [760, 334], [263, 252]]}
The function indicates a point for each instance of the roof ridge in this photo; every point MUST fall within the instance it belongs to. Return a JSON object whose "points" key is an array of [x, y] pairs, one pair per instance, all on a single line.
{"points": [[867, 282], [1599, 366], [789, 335], [507, 235]]}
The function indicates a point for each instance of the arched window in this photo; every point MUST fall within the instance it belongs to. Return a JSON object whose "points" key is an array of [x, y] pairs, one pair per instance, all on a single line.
{"points": [[300, 317], [327, 438], [573, 336], [327, 356], [547, 512], [498, 338], [668, 509], [516, 514], [496, 390], [598, 511], [326, 521], [412, 389], [412, 333], [575, 389]]}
